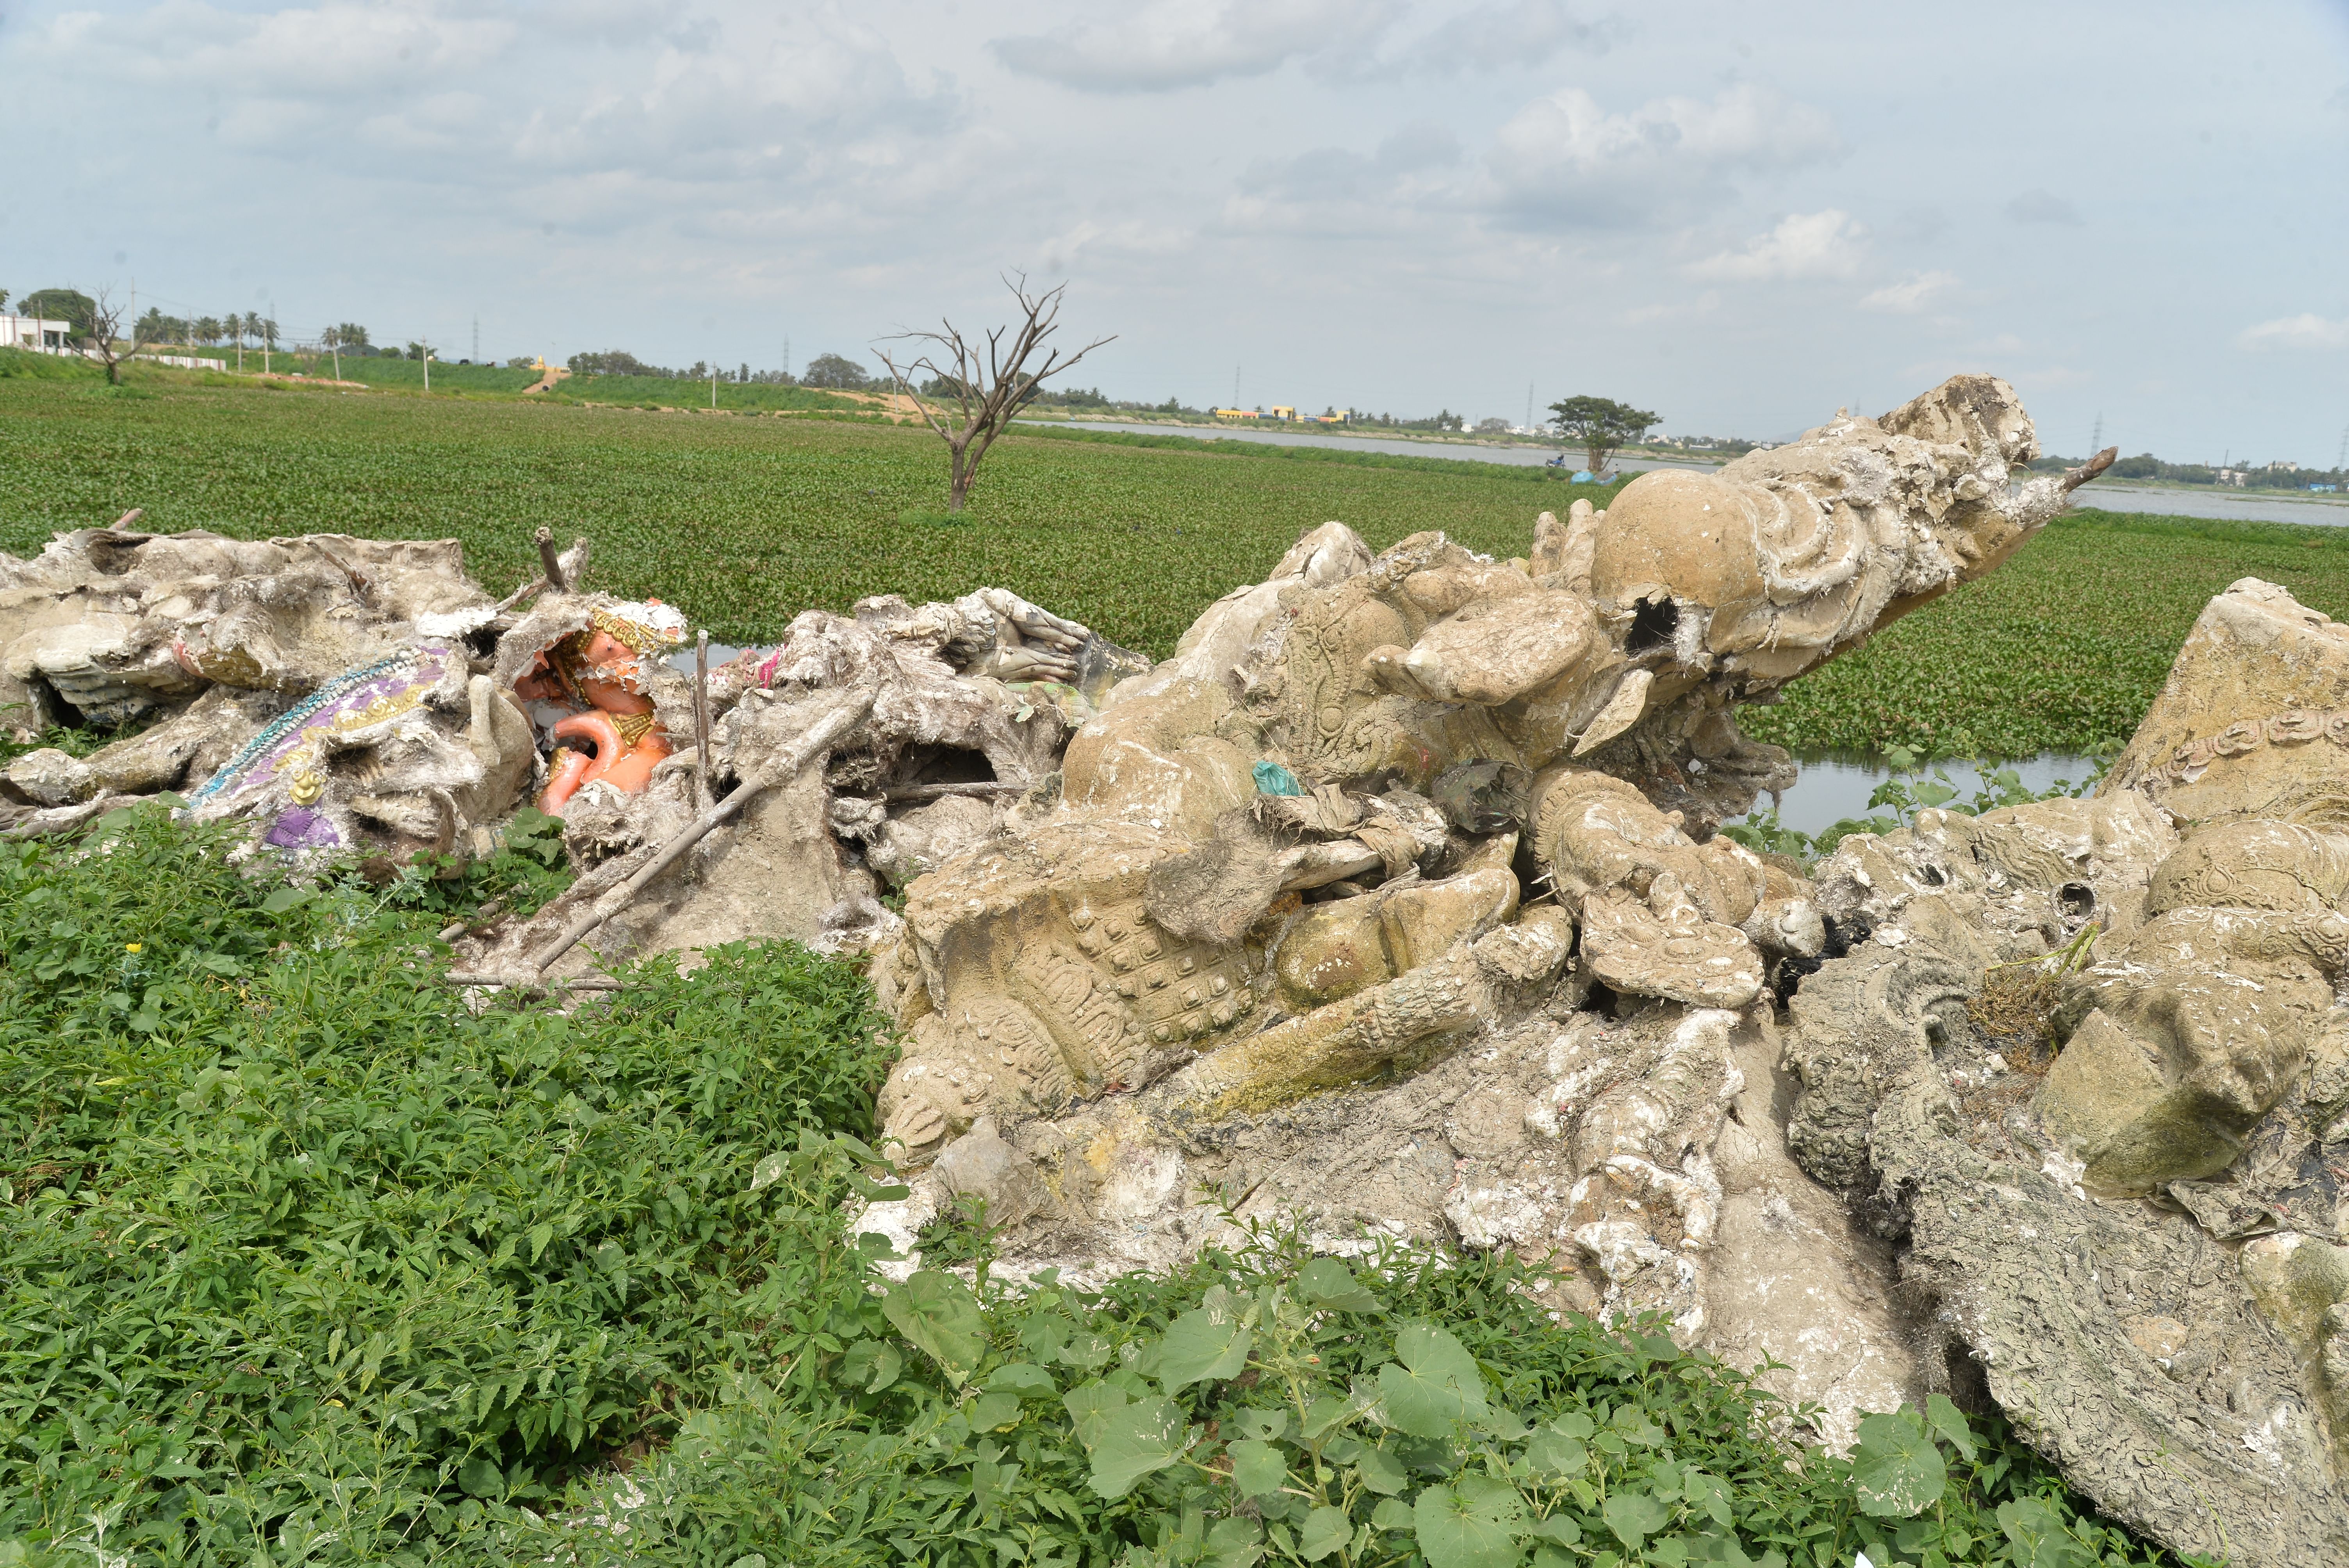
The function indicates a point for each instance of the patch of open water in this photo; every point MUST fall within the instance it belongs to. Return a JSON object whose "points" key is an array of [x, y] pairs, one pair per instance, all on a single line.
{"points": [[1834, 788]]}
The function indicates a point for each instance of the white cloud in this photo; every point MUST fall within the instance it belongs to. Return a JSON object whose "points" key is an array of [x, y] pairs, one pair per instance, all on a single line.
{"points": [[1175, 45], [1492, 37], [1910, 294], [2039, 205], [2305, 331], [1168, 46], [1705, 303], [1806, 245], [1565, 158]]}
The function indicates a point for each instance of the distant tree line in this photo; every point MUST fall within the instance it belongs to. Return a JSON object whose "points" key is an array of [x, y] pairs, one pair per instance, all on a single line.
{"points": [[2256, 476], [620, 362]]}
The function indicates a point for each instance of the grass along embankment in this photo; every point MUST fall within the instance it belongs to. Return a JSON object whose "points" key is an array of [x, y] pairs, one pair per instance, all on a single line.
{"points": [[744, 522]]}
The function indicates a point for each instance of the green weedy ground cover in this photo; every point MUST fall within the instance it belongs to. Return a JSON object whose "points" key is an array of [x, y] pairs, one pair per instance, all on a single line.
{"points": [[744, 522], [300, 1261], [303, 1261]]}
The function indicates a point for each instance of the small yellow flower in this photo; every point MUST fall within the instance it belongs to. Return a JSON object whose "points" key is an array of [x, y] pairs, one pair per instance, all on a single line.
{"points": [[133, 946]]}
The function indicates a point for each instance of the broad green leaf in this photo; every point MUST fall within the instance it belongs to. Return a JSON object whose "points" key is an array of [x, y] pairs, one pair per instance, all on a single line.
{"points": [[1573, 1424], [989, 1481], [1727, 1551], [1633, 1516], [1951, 1424], [479, 1477], [1423, 1347], [1086, 1351], [1474, 1523], [1136, 1441], [1258, 1468], [1418, 1405], [1026, 1380], [1558, 1528], [1895, 1467], [1202, 1346], [1090, 1407], [1044, 1335], [1326, 1529], [870, 1365], [1632, 1425], [1235, 1543], [1331, 1412], [1553, 1453], [938, 1316], [1551, 1557], [2038, 1537], [286, 898], [1433, 1385], [993, 1411], [1326, 1281], [1262, 1425], [1380, 1471], [1393, 1513], [1709, 1495]]}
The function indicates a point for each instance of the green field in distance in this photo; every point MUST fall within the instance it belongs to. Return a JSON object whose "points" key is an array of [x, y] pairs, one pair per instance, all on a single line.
{"points": [[743, 521]]}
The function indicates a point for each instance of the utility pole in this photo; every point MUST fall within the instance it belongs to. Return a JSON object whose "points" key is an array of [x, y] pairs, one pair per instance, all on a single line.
{"points": [[787, 358], [477, 340], [427, 363], [1235, 385], [713, 388], [1529, 407], [2096, 441], [2341, 458]]}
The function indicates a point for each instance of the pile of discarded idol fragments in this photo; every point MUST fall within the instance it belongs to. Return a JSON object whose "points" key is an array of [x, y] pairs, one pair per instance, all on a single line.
{"points": [[1393, 904]]}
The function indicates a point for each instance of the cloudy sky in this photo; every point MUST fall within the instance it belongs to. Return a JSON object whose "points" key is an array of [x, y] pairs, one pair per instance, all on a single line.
{"points": [[1739, 216]]}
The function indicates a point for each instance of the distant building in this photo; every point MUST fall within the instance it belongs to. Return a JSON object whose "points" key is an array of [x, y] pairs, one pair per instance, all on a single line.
{"points": [[1283, 411], [1236, 414], [34, 332]]}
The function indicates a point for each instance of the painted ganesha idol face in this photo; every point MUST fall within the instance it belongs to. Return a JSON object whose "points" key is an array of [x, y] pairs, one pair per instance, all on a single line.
{"points": [[600, 673]]}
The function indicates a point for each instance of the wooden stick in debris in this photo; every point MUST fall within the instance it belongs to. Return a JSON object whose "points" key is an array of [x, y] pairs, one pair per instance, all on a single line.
{"points": [[939, 792], [359, 581], [513, 983], [701, 721], [550, 564], [572, 574], [128, 517], [780, 768]]}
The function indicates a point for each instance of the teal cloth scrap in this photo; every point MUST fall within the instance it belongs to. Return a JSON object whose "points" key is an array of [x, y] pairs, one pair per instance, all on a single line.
{"points": [[1272, 778]]}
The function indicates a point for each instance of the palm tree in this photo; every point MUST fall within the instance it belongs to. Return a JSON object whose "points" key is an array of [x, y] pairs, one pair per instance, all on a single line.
{"points": [[251, 329]]}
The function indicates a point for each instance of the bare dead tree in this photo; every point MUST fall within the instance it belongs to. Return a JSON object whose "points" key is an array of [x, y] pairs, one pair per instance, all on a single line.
{"points": [[105, 320], [981, 385]]}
